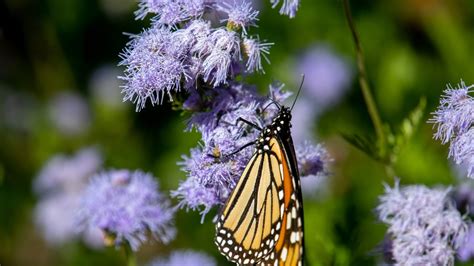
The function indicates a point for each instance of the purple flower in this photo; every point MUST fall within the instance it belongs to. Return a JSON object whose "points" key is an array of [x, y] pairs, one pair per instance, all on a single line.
{"points": [[327, 76], [288, 7], [454, 115], [170, 12], [54, 216], [126, 206], [226, 49], [155, 65], [462, 151], [313, 160], [67, 173], [303, 121], [182, 51], [59, 185], [453, 120], [464, 197], [211, 172], [313, 165], [255, 50], [466, 249], [240, 14], [185, 258], [424, 225]]}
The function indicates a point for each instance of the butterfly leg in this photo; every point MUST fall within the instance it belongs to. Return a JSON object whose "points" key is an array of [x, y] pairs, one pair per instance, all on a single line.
{"points": [[232, 153], [240, 119]]}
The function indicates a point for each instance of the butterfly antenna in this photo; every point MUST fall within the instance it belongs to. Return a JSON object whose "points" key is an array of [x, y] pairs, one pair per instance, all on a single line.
{"points": [[298, 93]]}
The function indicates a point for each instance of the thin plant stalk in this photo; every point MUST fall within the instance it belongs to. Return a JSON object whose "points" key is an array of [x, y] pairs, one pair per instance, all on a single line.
{"points": [[363, 82], [130, 255]]}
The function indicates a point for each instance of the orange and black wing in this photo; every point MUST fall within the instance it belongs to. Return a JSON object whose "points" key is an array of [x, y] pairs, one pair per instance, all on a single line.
{"points": [[289, 249], [261, 223]]}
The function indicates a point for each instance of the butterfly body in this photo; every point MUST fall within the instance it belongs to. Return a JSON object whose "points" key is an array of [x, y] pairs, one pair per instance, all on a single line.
{"points": [[262, 220]]}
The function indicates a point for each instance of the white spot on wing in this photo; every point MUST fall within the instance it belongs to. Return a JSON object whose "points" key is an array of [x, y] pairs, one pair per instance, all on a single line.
{"points": [[284, 252]]}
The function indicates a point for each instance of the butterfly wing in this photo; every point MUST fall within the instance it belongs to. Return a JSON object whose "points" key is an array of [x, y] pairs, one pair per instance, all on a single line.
{"points": [[260, 222], [249, 224], [289, 249]]}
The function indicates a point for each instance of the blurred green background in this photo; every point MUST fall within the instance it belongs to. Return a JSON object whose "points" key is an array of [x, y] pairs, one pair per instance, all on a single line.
{"points": [[412, 49]]}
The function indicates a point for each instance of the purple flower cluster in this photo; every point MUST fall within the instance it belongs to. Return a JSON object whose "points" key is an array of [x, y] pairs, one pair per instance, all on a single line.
{"points": [[126, 206], [453, 120], [424, 226], [59, 186], [172, 12], [313, 163], [211, 172], [199, 48], [313, 160], [213, 168], [466, 249], [288, 7], [182, 51], [185, 258]]}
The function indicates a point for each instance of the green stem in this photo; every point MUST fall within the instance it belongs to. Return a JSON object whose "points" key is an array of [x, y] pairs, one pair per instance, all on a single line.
{"points": [[130, 255], [364, 84]]}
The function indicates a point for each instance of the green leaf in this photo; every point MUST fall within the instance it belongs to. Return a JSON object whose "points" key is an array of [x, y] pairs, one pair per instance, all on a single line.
{"points": [[364, 144], [406, 130], [395, 140]]}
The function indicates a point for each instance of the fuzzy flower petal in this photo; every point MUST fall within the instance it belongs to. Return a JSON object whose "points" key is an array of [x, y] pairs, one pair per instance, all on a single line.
{"points": [[126, 206], [154, 66], [211, 172], [185, 258], [424, 225], [453, 121], [67, 173], [255, 50], [313, 160], [466, 250], [455, 113], [328, 76], [54, 216], [170, 12], [240, 14], [288, 7], [462, 151]]}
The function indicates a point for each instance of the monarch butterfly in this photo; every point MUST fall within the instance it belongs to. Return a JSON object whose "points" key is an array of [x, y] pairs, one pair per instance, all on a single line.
{"points": [[262, 220]]}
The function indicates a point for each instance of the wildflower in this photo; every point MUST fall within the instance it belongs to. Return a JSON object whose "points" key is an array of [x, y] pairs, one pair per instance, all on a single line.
{"points": [[304, 117], [54, 216], [288, 7], [313, 164], [153, 66], [465, 251], [313, 159], [424, 226], [463, 196], [254, 50], [327, 76], [211, 172], [170, 12], [240, 14], [185, 258], [126, 206], [67, 173], [59, 185], [453, 120]]}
